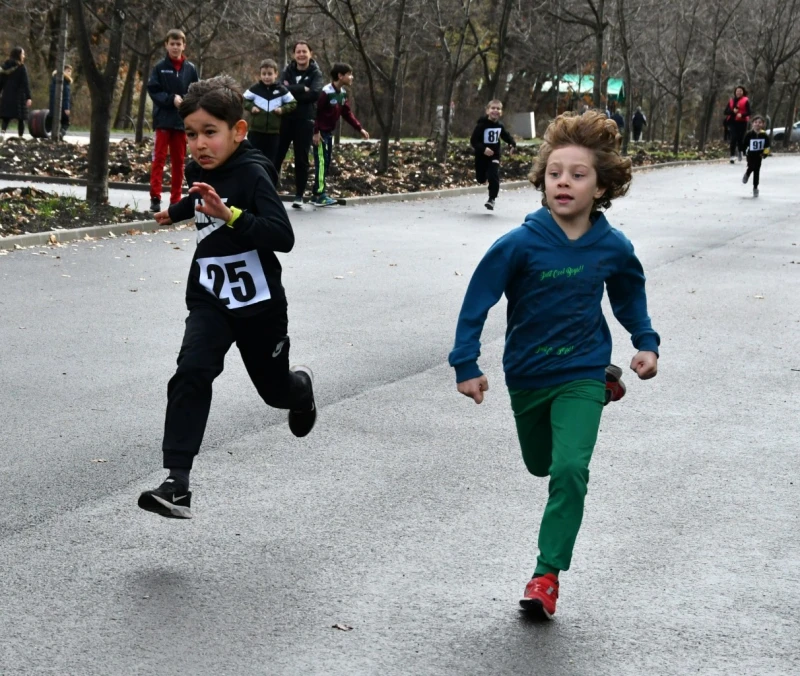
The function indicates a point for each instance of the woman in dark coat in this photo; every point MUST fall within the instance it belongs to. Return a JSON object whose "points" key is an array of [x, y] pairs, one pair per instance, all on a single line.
{"points": [[15, 90], [737, 115]]}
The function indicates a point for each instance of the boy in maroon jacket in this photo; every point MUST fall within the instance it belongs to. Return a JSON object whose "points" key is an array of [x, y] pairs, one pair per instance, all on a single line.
{"points": [[332, 105]]}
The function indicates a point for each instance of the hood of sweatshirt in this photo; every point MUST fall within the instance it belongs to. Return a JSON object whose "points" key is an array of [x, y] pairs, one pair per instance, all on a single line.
{"points": [[245, 154], [544, 225]]}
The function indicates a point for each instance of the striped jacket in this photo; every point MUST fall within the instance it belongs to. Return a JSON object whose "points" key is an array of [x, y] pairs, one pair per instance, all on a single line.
{"points": [[267, 98]]}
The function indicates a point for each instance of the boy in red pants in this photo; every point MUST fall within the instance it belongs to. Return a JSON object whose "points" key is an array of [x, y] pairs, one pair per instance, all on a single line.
{"points": [[168, 84]]}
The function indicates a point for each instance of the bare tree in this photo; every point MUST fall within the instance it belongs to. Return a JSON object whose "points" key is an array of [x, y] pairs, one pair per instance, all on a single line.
{"points": [[101, 88], [452, 26], [61, 56], [494, 67], [594, 19], [676, 55], [718, 16], [358, 21]]}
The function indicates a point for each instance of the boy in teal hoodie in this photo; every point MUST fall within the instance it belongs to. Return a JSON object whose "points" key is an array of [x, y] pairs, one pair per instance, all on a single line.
{"points": [[553, 269]]}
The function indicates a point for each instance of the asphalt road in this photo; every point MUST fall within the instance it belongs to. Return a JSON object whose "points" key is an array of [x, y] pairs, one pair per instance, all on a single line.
{"points": [[407, 514]]}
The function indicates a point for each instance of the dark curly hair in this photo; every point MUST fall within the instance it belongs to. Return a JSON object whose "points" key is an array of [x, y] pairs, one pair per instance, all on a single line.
{"points": [[219, 96], [594, 131]]}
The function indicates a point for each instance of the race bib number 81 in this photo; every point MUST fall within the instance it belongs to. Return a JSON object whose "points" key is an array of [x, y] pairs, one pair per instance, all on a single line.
{"points": [[236, 280], [491, 136]]}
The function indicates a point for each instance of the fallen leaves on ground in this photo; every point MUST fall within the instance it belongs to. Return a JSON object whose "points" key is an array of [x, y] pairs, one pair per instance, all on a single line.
{"points": [[27, 209]]}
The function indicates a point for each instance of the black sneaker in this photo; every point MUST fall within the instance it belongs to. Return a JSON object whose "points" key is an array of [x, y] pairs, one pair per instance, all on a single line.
{"points": [[489, 204], [302, 422], [170, 499], [755, 192], [155, 205], [746, 177], [615, 388], [298, 202]]}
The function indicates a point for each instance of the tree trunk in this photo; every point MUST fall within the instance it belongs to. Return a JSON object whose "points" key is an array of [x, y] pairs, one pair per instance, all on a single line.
{"points": [[628, 81], [493, 78], [790, 113], [101, 89], [99, 143], [402, 85], [626, 135], [125, 106], [598, 53], [283, 34], [441, 146], [61, 55], [710, 98], [142, 110], [676, 144]]}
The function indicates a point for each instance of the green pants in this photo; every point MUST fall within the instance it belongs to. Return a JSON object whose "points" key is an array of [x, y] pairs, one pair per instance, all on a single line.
{"points": [[557, 428]]}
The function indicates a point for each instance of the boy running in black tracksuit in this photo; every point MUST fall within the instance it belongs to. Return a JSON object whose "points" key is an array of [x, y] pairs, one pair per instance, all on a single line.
{"points": [[756, 144], [486, 142], [234, 292]]}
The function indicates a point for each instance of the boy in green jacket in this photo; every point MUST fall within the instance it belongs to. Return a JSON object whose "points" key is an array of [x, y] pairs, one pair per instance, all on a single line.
{"points": [[270, 100]]}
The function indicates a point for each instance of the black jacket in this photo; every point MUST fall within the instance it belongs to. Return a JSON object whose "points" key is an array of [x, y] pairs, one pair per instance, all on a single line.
{"points": [[487, 134], [755, 143], [163, 85], [297, 81], [15, 90], [639, 120], [235, 268]]}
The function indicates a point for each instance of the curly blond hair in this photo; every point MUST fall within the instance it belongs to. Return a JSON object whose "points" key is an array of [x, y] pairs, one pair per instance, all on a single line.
{"points": [[594, 131]]}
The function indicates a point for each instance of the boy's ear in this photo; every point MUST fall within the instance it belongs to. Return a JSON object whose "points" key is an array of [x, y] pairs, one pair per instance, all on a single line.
{"points": [[240, 131]]}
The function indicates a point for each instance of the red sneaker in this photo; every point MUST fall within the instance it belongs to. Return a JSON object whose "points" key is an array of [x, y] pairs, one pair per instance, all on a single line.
{"points": [[540, 597], [615, 388]]}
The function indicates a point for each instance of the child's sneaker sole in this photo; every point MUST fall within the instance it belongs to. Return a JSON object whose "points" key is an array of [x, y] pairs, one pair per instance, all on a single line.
{"points": [[615, 388], [157, 505], [534, 609]]}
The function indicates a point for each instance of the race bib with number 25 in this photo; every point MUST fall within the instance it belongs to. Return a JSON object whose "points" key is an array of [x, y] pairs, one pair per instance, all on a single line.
{"points": [[236, 280]]}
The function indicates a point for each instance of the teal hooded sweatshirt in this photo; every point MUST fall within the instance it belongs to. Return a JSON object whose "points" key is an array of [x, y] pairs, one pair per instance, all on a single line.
{"points": [[556, 330]]}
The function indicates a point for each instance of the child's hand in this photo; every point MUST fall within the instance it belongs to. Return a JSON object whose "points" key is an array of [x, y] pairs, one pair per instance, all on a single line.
{"points": [[278, 111], [162, 217], [474, 388], [177, 100], [488, 152], [512, 150], [212, 204], [645, 364], [315, 139], [365, 134], [255, 109]]}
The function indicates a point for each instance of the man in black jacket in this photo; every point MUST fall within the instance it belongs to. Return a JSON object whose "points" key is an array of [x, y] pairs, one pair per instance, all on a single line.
{"points": [[304, 80], [168, 84]]}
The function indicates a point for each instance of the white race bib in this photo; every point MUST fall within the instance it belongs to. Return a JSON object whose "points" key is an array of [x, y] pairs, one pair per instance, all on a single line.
{"points": [[756, 145], [237, 280], [491, 135]]}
